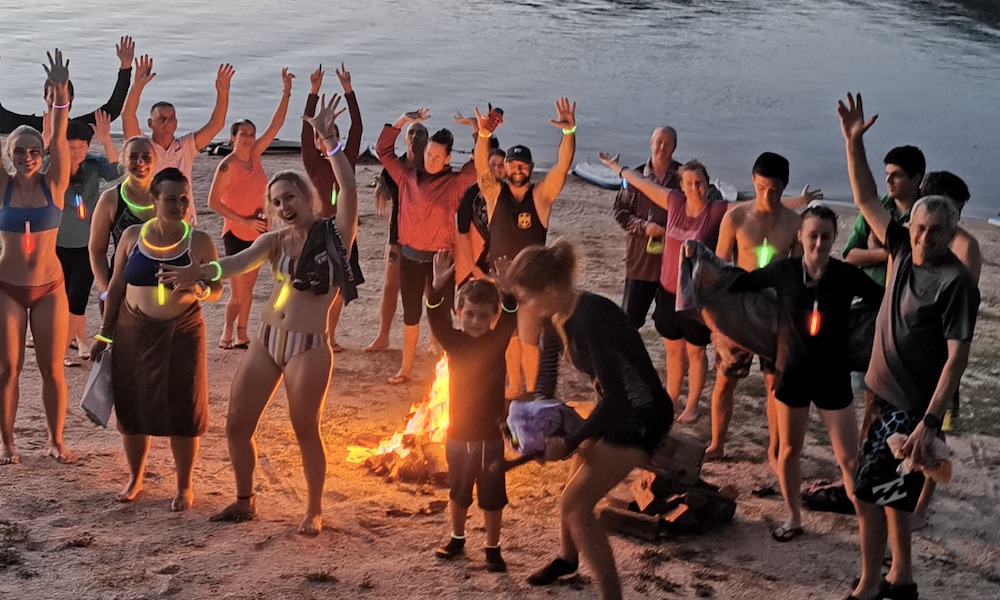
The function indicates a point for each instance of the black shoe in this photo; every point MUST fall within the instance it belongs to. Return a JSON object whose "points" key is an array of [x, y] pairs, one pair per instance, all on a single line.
{"points": [[494, 561], [898, 591], [453, 548], [553, 571]]}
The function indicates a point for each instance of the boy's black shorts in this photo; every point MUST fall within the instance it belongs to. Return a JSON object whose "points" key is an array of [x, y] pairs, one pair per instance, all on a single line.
{"points": [[468, 465], [876, 480]]}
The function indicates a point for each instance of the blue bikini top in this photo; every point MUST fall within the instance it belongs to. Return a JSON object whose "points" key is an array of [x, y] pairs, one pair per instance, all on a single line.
{"points": [[140, 270], [41, 218]]}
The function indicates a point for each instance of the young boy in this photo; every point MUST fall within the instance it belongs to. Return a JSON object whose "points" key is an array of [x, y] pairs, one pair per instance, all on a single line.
{"points": [[476, 363]]}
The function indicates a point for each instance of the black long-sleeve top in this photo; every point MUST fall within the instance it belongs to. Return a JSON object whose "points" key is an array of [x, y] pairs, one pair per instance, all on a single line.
{"points": [[477, 370], [9, 121], [816, 365], [633, 409]]}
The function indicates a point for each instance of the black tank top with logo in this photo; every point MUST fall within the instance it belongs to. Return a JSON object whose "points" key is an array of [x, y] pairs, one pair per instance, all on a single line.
{"points": [[515, 225]]}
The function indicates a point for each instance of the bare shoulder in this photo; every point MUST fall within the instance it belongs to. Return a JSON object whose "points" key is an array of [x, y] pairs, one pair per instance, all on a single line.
{"points": [[738, 211], [789, 217]]}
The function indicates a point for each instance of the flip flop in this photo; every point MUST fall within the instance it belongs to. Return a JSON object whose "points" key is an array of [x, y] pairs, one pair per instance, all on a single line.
{"points": [[69, 362], [241, 345], [226, 344], [786, 534]]}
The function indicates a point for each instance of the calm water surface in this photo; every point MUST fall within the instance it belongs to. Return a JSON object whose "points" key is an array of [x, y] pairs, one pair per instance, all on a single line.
{"points": [[734, 77]]}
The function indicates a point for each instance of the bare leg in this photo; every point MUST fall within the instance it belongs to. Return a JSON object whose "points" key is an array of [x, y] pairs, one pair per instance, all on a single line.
{"points": [[675, 368], [842, 425], [333, 319], [390, 298], [307, 377], [791, 431], [253, 386], [11, 362], [900, 534], [185, 450], [924, 504], [136, 450], [411, 336], [872, 531], [774, 442], [49, 328], [722, 413], [232, 314], [697, 366], [78, 333], [568, 549], [513, 359], [458, 515], [604, 467], [529, 331]]}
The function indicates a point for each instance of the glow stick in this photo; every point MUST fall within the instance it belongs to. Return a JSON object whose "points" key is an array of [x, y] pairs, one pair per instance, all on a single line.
{"points": [[764, 254], [81, 208], [282, 299], [333, 197], [161, 290], [29, 244], [814, 319]]}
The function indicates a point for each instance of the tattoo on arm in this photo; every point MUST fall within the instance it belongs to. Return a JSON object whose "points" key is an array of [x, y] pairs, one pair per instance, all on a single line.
{"points": [[224, 167]]}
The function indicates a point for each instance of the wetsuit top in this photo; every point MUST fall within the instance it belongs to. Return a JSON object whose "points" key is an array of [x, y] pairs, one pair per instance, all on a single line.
{"points": [[514, 225], [40, 218], [141, 268], [633, 409], [812, 354], [124, 218]]}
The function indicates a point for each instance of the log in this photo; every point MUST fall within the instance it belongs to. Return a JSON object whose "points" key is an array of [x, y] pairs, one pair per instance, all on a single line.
{"points": [[631, 523]]}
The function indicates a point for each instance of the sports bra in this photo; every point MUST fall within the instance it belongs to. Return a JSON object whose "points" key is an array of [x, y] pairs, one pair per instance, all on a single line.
{"points": [[141, 268], [41, 218]]}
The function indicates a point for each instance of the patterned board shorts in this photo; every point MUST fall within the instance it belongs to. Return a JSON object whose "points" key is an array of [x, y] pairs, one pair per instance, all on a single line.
{"points": [[876, 480]]}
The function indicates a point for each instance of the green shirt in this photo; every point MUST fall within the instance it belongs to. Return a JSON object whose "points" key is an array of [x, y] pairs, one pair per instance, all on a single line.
{"points": [[861, 231]]}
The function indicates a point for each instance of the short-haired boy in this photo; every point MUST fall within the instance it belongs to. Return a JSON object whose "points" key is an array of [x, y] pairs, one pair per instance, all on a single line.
{"points": [[476, 391]]}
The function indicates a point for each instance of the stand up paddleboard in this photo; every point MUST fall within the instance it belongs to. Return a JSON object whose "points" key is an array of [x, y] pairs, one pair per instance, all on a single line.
{"points": [[602, 176], [995, 221], [276, 147]]}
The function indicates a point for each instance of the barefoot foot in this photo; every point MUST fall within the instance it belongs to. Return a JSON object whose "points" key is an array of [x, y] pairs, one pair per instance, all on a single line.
{"points": [[237, 512], [377, 345], [687, 418], [400, 377], [183, 500], [130, 492], [715, 453], [61, 453], [9, 456], [311, 525]]}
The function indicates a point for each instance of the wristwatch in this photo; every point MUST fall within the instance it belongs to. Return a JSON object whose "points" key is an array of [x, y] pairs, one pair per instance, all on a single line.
{"points": [[932, 421]]}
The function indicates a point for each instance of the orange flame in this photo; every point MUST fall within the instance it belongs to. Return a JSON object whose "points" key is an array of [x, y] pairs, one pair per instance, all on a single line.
{"points": [[427, 418]]}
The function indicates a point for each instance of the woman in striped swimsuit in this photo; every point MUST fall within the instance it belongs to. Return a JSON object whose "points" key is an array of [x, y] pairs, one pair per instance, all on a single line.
{"points": [[292, 342]]}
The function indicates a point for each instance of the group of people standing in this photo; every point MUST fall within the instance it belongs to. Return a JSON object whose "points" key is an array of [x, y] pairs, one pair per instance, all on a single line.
{"points": [[482, 229]]}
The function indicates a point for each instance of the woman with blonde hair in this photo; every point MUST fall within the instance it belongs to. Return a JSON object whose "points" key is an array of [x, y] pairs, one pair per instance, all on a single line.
{"points": [[32, 289], [633, 411], [311, 266]]}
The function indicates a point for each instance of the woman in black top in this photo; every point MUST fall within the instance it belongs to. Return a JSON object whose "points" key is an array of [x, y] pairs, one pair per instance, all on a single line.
{"points": [[815, 293], [632, 414]]}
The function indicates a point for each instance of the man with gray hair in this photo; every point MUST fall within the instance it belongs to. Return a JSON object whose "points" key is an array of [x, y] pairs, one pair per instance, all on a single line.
{"points": [[922, 338]]}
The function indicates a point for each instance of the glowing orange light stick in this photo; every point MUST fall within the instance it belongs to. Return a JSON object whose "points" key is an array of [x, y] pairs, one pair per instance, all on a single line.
{"points": [[81, 209], [814, 319], [29, 244]]}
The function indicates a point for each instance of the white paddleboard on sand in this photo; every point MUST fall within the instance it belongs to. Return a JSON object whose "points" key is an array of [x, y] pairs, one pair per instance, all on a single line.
{"points": [[598, 174], [995, 221]]}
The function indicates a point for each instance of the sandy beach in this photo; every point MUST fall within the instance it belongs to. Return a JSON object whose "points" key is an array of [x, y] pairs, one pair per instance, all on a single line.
{"points": [[62, 535]]}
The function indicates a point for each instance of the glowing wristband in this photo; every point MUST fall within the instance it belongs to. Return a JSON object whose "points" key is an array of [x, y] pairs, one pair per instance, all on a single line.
{"points": [[218, 270], [336, 149], [429, 305], [61, 106], [104, 296], [204, 293], [569, 131], [483, 133], [103, 338], [508, 310], [621, 171]]}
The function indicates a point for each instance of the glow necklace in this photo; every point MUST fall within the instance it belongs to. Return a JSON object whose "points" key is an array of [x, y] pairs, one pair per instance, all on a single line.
{"points": [[132, 205], [765, 253], [814, 316], [163, 249]]}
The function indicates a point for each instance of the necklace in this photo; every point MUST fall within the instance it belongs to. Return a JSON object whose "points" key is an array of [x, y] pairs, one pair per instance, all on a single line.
{"points": [[814, 316], [132, 205], [162, 249], [766, 252]]}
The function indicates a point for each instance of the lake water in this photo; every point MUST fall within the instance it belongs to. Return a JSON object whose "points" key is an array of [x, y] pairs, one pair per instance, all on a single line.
{"points": [[735, 77]]}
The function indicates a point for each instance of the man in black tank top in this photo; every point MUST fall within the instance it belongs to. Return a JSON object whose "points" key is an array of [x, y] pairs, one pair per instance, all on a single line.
{"points": [[518, 213]]}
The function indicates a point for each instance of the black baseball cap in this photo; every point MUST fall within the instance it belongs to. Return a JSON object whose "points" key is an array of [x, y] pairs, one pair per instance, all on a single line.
{"points": [[520, 153]]}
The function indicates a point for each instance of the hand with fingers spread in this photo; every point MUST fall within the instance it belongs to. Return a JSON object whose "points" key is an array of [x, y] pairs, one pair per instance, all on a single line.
{"points": [[125, 49], [609, 160], [565, 114], [414, 116], [57, 70], [461, 119], [316, 80], [286, 81], [102, 127], [501, 274], [345, 79], [224, 78], [323, 122], [143, 71], [809, 195], [852, 118], [444, 269], [491, 120]]}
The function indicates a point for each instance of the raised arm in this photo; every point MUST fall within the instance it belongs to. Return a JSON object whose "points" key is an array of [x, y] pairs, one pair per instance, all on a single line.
{"points": [[386, 145], [125, 50], [548, 189], [352, 148], [488, 184], [278, 119], [102, 131], [853, 125], [311, 156], [57, 177], [438, 315], [218, 119], [143, 75], [343, 171], [657, 193]]}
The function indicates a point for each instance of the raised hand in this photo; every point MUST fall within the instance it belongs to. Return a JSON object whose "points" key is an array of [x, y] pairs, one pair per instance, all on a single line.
{"points": [[224, 78], [852, 117], [811, 195], [316, 80], [444, 268], [125, 49], [323, 122], [415, 116], [345, 79], [461, 119], [609, 160], [565, 114], [102, 127], [490, 121], [57, 70], [143, 71], [286, 81], [501, 274]]}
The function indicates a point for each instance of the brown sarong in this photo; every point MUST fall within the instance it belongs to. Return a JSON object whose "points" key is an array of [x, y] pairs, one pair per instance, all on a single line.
{"points": [[159, 373]]}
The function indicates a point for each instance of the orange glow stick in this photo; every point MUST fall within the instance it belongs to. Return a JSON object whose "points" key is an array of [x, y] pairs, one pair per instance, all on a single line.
{"points": [[814, 319], [29, 243]]}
